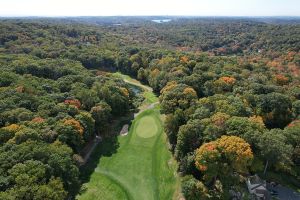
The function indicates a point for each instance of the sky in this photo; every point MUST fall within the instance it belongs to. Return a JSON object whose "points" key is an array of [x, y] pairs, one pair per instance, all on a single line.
{"points": [[149, 7]]}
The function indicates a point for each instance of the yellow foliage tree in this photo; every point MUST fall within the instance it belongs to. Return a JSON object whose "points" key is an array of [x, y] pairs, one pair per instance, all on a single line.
{"points": [[228, 153], [170, 85], [258, 120], [189, 91], [237, 150], [12, 128]]}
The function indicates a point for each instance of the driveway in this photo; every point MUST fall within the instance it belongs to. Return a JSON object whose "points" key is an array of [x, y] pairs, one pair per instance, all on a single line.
{"points": [[285, 193]]}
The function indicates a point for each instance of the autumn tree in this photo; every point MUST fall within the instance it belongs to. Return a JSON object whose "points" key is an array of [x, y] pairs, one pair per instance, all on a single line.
{"points": [[175, 95], [88, 124], [225, 155], [70, 132]]}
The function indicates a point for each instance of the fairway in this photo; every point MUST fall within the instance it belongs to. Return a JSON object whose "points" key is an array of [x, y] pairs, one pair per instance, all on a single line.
{"points": [[142, 167]]}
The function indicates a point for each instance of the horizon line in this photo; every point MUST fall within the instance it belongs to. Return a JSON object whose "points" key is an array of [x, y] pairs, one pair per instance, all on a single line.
{"points": [[72, 16]]}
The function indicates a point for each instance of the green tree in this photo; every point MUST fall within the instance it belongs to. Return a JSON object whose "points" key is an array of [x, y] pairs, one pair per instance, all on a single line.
{"points": [[88, 124], [190, 136], [102, 115], [273, 148], [193, 189]]}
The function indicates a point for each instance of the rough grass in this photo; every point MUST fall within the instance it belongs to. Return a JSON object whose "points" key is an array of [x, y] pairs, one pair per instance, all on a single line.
{"points": [[141, 167]]}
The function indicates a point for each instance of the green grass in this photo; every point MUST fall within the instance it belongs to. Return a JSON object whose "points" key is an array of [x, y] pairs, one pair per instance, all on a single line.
{"points": [[142, 168], [150, 97], [139, 168], [135, 82], [112, 189], [146, 127]]}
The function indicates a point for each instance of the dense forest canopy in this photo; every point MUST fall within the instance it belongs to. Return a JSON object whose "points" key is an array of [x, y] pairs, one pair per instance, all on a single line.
{"points": [[229, 88]]}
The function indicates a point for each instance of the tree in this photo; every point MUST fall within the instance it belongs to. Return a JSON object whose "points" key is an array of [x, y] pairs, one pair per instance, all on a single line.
{"points": [[292, 134], [273, 147], [250, 129], [70, 132], [172, 124], [190, 136], [74, 102], [8, 132], [53, 190], [193, 189], [175, 95], [30, 182], [224, 84], [101, 114], [275, 108], [237, 151], [208, 161], [88, 123], [24, 134], [296, 108], [222, 157]]}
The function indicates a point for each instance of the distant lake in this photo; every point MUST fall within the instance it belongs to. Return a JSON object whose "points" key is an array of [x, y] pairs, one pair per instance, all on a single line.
{"points": [[161, 20]]}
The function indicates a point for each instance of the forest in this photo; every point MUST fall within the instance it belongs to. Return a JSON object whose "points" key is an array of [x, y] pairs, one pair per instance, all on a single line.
{"points": [[229, 89]]}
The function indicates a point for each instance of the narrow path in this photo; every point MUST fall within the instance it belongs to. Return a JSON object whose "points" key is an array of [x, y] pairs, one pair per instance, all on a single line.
{"points": [[91, 148], [142, 168]]}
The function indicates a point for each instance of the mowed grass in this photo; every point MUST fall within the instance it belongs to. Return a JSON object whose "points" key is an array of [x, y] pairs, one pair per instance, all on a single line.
{"points": [[112, 190], [146, 127], [132, 81], [141, 168], [150, 97]]}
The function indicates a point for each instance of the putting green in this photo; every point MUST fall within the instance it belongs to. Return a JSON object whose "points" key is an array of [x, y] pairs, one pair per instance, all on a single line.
{"points": [[146, 127]]}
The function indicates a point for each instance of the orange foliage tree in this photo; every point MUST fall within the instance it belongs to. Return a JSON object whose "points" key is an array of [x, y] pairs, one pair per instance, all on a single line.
{"points": [[281, 79], [228, 80], [74, 123], [74, 102], [38, 120], [226, 154], [184, 59]]}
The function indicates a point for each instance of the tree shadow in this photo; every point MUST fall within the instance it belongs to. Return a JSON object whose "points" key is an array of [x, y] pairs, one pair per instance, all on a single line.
{"points": [[107, 147]]}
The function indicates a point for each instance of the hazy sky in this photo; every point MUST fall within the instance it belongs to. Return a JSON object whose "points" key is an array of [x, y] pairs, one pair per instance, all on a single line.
{"points": [[149, 7]]}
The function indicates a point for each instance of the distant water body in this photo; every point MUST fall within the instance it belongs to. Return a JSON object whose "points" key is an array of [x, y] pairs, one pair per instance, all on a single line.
{"points": [[161, 20]]}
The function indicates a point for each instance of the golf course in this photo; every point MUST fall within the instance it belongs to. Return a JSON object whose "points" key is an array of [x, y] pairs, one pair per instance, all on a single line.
{"points": [[141, 168]]}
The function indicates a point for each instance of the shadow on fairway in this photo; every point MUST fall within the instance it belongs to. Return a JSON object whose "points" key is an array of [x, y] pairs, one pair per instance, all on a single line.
{"points": [[107, 147]]}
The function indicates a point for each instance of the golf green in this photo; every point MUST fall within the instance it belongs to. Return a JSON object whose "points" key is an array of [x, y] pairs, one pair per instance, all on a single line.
{"points": [[146, 127]]}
